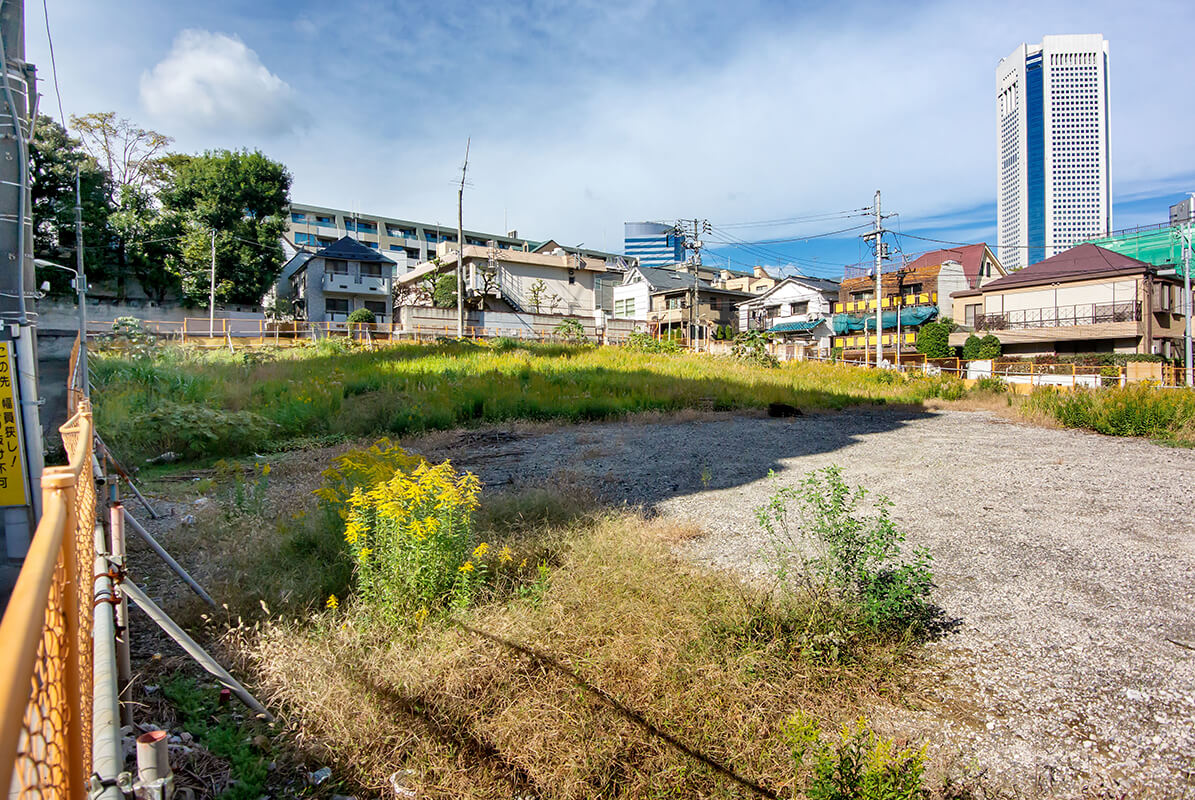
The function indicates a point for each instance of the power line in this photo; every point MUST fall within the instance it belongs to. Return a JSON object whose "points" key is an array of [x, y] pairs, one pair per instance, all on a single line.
{"points": [[53, 64], [794, 220]]}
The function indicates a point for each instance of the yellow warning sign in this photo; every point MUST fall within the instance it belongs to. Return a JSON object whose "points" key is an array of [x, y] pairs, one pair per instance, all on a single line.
{"points": [[12, 462]]}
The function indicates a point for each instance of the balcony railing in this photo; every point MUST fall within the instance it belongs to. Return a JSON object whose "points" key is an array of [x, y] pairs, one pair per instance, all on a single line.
{"points": [[1060, 316]]}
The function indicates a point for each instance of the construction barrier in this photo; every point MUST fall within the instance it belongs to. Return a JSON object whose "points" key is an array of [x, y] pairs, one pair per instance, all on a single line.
{"points": [[45, 636]]}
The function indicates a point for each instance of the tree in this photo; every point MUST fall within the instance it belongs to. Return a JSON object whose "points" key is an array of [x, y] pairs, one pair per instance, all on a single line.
{"points": [[147, 242], [362, 316], [444, 295], [55, 157], [934, 340], [132, 158], [129, 154], [536, 294], [243, 197], [971, 348]]}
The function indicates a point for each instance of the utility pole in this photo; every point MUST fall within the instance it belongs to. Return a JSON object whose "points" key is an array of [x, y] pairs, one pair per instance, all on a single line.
{"points": [[23, 453], [81, 288], [1189, 244], [460, 246], [878, 235], [211, 304]]}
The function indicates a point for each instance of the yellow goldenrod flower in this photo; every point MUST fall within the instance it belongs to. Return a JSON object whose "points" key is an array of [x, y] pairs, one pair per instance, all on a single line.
{"points": [[505, 556], [265, 470], [421, 617], [523, 564], [332, 603], [467, 567], [480, 551]]}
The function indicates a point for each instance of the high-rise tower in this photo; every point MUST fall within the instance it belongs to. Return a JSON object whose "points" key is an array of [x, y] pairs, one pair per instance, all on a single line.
{"points": [[1052, 184]]}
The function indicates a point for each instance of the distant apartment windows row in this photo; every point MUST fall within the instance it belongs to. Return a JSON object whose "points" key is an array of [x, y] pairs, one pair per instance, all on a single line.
{"points": [[404, 233], [377, 307], [360, 226], [325, 221], [295, 217], [624, 308]]}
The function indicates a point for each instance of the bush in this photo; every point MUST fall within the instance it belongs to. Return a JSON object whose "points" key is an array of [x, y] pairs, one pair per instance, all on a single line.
{"points": [[989, 347], [363, 470], [933, 340], [971, 348], [857, 557], [991, 386], [752, 347], [860, 764], [412, 540], [362, 316], [1134, 410], [572, 331], [646, 343], [193, 431]]}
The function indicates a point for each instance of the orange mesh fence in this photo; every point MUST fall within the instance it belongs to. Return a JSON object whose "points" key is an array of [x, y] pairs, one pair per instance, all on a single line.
{"points": [[45, 636]]}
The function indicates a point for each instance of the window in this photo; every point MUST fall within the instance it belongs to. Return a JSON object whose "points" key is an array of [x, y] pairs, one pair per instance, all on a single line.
{"points": [[296, 217], [377, 306], [374, 245], [333, 267], [801, 308], [914, 288], [673, 303], [336, 305], [371, 270], [969, 314], [325, 221], [624, 308], [857, 296]]}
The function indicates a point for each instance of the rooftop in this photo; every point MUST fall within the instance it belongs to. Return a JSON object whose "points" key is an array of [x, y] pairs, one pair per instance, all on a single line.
{"points": [[1077, 263], [349, 249]]}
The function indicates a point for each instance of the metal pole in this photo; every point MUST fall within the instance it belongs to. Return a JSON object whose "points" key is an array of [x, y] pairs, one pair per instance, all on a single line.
{"points": [[169, 559], [194, 650], [81, 288], [460, 245], [124, 661], [211, 318], [107, 756]]}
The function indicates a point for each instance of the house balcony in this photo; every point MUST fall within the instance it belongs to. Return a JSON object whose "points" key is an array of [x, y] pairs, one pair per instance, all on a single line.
{"points": [[356, 284], [892, 301], [1060, 323]]}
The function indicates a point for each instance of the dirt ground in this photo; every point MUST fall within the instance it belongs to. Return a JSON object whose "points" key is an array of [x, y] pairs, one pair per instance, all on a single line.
{"points": [[1067, 558]]}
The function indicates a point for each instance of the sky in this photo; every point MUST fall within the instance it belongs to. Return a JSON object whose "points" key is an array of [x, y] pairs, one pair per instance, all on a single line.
{"points": [[583, 115]]}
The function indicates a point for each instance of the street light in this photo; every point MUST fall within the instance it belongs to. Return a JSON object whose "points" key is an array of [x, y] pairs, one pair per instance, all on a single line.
{"points": [[80, 284]]}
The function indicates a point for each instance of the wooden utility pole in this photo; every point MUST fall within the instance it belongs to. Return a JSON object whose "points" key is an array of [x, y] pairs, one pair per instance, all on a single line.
{"points": [[211, 301]]}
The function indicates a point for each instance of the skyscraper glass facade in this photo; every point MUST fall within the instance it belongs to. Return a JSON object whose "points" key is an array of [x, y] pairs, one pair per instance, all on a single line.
{"points": [[655, 244]]}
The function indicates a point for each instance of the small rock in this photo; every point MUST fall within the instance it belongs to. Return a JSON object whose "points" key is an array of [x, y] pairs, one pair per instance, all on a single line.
{"points": [[186, 738], [188, 519], [319, 776], [151, 688]]}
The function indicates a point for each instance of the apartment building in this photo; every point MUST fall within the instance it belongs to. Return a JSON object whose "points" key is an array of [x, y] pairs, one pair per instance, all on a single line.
{"points": [[405, 242], [918, 292]]}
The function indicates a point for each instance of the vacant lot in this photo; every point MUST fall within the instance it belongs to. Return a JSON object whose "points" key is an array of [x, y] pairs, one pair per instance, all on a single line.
{"points": [[1068, 559]]}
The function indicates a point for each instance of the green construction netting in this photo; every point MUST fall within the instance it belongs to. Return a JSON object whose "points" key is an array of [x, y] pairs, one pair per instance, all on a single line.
{"points": [[909, 317]]}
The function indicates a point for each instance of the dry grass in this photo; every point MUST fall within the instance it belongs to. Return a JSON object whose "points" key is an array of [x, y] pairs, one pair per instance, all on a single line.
{"points": [[622, 621]]}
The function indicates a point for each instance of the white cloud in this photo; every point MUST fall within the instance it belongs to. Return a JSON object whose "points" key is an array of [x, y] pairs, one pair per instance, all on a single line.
{"points": [[210, 82]]}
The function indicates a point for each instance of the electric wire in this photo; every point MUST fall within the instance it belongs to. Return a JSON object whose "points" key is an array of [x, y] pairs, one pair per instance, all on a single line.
{"points": [[53, 64]]}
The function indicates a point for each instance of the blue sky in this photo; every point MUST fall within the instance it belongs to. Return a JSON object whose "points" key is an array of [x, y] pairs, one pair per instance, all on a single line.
{"points": [[584, 115]]}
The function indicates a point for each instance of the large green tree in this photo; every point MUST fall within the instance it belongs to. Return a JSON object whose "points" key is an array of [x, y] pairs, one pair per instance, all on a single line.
{"points": [[241, 196], [55, 157]]}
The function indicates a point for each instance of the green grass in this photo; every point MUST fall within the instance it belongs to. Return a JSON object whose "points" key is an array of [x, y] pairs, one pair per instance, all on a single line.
{"points": [[1139, 410], [204, 404]]}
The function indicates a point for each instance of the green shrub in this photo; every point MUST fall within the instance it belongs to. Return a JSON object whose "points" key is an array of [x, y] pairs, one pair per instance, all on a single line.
{"points": [[825, 543], [971, 348], [362, 316], [193, 431], [860, 765], [990, 386], [1133, 410], [572, 331], [1110, 376], [752, 347], [933, 340], [646, 343], [989, 347]]}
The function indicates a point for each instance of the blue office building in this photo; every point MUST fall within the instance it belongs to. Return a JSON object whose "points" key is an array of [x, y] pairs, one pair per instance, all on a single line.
{"points": [[655, 244]]}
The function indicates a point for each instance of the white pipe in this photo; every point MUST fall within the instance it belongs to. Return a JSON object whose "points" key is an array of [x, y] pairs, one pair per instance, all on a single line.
{"points": [[107, 757]]}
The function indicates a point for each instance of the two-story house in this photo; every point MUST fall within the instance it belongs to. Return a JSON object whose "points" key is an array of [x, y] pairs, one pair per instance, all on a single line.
{"points": [[795, 310], [334, 282], [1083, 300]]}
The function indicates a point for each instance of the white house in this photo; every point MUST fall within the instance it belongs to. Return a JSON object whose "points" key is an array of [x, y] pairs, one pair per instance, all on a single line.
{"points": [[632, 297], [796, 309]]}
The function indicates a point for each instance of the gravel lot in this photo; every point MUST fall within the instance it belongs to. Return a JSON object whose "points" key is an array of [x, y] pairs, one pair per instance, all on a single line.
{"points": [[1069, 559]]}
